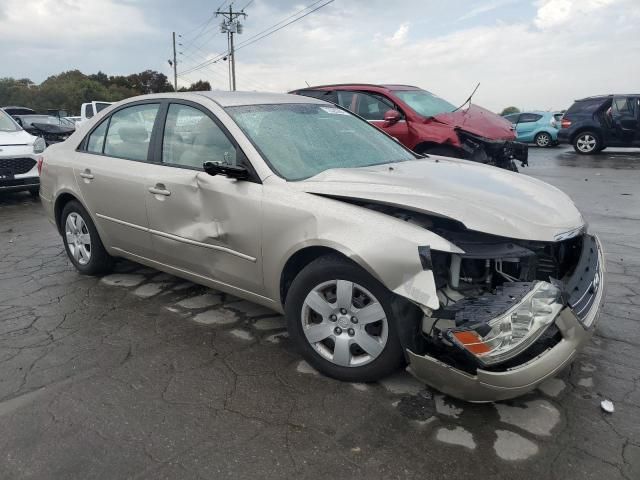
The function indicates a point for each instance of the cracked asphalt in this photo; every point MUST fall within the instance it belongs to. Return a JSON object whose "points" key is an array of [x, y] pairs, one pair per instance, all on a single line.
{"points": [[142, 375]]}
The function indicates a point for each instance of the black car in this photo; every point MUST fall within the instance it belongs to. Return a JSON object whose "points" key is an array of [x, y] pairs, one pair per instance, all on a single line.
{"points": [[595, 123], [52, 129]]}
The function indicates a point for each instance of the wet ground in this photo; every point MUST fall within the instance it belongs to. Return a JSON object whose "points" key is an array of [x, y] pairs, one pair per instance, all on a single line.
{"points": [[141, 375]]}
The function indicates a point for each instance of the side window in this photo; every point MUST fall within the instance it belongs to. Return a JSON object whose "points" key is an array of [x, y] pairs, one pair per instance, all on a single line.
{"points": [[326, 95], [95, 143], [88, 110], [130, 131], [345, 99], [192, 138], [529, 118], [372, 107], [625, 105], [513, 118]]}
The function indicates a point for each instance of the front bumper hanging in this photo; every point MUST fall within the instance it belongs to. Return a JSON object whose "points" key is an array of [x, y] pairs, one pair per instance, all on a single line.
{"points": [[584, 293]]}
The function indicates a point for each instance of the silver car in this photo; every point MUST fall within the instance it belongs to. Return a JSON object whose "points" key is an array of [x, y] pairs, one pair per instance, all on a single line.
{"points": [[482, 281]]}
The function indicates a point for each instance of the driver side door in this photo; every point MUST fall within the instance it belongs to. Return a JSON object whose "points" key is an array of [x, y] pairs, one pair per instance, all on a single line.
{"points": [[372, 108], [207, 226]]}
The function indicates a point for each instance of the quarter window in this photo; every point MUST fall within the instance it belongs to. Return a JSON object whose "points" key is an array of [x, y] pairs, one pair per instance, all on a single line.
{"points": [[191, 138], [130, 131], [95, 144]]}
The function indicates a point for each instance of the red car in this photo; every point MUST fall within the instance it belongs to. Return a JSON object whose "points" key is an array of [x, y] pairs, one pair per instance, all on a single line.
{"points": [[427, 123]]}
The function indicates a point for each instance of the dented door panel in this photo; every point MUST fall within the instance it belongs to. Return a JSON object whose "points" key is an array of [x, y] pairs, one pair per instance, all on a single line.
{"points": [[207, 225]]}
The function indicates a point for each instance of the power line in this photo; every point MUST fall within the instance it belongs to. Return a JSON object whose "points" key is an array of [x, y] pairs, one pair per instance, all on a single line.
{"points": [[221, 55], [269, 31]]}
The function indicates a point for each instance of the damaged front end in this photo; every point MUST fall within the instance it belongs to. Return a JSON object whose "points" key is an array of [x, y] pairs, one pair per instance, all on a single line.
{"points": [[499, 153], [50, 133], [512, 313]]}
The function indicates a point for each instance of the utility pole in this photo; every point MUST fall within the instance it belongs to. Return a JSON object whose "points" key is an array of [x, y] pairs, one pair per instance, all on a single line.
{"points": [[231, 25], [175, 64]]}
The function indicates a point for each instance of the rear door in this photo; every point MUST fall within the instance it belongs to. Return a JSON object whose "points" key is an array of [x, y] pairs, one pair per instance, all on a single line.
{"points": [[527, 125], [202, 224], [111, 172], [624, 113]]}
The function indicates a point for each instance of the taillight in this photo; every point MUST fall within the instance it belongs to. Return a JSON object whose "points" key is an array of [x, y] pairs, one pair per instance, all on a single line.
{"points": [[40, 161], [565, 123]]}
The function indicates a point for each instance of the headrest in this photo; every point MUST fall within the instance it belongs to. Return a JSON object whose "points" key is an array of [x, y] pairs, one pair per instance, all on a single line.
{"points": [[133, 134]]}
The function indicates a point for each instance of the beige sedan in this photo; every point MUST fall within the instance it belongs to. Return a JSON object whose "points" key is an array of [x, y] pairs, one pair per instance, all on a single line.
{"points": [[482, 281]]}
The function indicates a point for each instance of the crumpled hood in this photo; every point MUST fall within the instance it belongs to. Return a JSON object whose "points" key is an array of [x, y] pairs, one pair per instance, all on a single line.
{"points": [[479, 121], [16, 138], [483, 198]]}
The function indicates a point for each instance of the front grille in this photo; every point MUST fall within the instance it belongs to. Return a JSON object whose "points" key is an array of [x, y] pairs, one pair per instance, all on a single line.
{"points": [[16, 166]]}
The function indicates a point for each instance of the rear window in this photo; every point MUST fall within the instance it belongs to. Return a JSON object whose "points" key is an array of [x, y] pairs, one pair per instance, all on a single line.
{"points": [[586, 106]]}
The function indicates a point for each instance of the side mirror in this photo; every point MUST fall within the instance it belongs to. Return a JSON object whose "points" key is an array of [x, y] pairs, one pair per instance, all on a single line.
{"points": [[232, 171], [391, 117]]}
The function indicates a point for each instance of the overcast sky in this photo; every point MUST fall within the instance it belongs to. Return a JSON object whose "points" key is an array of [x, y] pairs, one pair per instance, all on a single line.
{"points": [[538, 54]]}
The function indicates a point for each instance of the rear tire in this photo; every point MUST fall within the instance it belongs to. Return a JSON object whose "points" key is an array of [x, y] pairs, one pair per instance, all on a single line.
{"points": [[82, 242], [341, 320], [35, 192], [587, 143], [543, 140]]}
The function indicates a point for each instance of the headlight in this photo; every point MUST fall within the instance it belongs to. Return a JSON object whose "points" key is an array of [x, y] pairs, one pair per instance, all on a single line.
{"points": [[506, 336], [39, 145]]}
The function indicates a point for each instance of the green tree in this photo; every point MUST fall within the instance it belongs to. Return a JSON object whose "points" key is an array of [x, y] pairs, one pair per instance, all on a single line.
{"points": [[510, 110]]}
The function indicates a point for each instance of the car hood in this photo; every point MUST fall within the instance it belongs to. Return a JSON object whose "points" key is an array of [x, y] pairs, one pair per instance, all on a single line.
{"points": [[16, 138], [479, 121], [483, 198]]}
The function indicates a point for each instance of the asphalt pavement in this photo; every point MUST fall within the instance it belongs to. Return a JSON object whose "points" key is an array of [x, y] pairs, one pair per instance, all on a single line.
{"points": [[142, 375]]}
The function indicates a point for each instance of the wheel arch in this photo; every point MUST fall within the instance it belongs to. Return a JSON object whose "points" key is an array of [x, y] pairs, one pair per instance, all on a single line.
{"points": [[597, 131], [61, 201], [303, 257]]}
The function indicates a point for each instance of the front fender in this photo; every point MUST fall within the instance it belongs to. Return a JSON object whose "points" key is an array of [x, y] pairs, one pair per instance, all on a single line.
{"points": [[385, 246]]}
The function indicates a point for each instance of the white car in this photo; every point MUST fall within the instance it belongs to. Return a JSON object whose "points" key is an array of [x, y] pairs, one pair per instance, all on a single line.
{"points": [[19, 153]]}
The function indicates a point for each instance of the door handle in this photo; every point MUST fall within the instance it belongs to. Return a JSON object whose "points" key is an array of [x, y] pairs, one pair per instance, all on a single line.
{"points": [[86, 174], [159, 189]]}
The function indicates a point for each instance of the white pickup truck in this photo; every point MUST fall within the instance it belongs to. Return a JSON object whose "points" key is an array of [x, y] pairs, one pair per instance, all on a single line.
{"points": [[88, 110]]}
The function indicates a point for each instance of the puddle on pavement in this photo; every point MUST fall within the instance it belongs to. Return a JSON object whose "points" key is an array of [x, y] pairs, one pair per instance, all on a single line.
{"points": [[456, 436], [304, 367], [123, 279], [511, 446], [538, 417], [216, 317]]}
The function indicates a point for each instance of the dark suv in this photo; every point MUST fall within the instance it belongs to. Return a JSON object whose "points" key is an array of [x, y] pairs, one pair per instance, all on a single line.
{"points": [[595, 123]]}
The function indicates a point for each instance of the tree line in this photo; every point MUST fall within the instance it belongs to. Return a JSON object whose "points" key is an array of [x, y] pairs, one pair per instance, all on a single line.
{"points": [[68, 90]]}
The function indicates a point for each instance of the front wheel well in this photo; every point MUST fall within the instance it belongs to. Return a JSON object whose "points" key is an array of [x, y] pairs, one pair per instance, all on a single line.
{"points": [[61, 201], [298, 261]]}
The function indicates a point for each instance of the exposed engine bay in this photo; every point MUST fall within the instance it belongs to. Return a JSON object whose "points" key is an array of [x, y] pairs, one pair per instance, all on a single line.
{"points": [[499, 153], [498, 300]]}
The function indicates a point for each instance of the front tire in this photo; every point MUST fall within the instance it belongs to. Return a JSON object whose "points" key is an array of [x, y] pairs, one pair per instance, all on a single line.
{"points": [[82, 242], [543, 140], [587, 143], [341, 319]]}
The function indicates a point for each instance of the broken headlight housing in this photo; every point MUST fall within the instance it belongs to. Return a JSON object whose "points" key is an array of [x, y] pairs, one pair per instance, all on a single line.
{"points": [[514, 331]]}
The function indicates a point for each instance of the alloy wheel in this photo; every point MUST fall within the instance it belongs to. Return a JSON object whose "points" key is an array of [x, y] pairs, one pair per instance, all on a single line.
{"points": [[78, 238], [586, 143], [344, 323], [543, 139]]}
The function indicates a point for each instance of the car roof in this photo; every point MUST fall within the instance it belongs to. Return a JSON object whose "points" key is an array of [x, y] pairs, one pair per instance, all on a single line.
{"points": [[611, 95], [232, 99], [361, 86]]}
